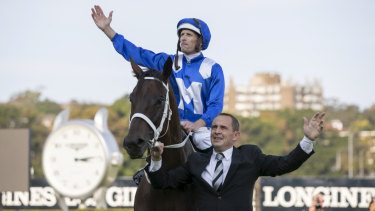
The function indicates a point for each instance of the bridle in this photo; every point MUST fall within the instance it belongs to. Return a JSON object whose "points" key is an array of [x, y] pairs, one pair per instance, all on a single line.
{"points": [[167, 113]]}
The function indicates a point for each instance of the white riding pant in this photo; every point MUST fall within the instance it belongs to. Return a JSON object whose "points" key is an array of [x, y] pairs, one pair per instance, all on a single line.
{"points": [[202, 138]]}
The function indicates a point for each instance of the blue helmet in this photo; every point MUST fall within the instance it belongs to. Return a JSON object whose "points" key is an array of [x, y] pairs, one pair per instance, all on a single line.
{"points": [[197, 26]]}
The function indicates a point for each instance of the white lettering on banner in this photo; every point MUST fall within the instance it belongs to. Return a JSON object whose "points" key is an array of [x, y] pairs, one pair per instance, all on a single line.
{"points": [[268, 197], [44, 196], [21, 198], [121, 196], [335, 197], [7, 199], [349, 196], [193, 93], [303, 195], [38, 196], [72, 202], [77, 202], [286, 196], [90, 202], [292, 194], [49, 195]]}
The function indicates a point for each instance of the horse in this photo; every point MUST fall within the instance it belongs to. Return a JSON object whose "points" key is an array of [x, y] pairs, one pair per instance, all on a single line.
{"points": [[152, 104]]}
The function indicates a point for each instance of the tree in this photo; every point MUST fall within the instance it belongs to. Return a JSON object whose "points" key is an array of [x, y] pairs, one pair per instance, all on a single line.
{"points": [[122, 106], [10, 116], [48, 107]]}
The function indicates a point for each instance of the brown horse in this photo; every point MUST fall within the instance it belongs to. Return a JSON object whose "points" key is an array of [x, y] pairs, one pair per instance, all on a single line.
{"points": [[154, 117]]}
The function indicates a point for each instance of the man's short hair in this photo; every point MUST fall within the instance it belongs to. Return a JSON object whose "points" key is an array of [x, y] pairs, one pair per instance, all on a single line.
{"points": [[235, 123]]}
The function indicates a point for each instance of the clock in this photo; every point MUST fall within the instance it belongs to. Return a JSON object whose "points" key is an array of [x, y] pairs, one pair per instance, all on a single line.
{"points": [[81, 157]]}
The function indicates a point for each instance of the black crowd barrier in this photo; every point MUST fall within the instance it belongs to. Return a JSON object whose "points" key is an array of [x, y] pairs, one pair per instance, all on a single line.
{"points": [[274, 194]]}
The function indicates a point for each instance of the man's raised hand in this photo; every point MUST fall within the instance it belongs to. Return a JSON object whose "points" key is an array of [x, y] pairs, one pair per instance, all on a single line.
{"points": [[100, 19], [314, 127]]}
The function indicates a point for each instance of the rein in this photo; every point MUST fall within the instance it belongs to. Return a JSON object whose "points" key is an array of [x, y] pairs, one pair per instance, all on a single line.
{"points": [[157, 131]]}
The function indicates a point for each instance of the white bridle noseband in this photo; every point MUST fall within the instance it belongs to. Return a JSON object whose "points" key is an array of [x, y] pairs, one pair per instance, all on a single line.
{"points": [[158, 130]]}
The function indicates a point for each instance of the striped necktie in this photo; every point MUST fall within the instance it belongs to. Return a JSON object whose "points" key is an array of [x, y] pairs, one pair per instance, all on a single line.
{"points": [[218, 174]]}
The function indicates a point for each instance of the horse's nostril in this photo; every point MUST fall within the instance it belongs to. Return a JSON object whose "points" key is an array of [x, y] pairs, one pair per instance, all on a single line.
{"points": [[133, 146], [140, 142], [125, 143]]}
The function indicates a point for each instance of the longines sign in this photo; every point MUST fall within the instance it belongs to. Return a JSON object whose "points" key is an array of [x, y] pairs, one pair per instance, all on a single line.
{"points": [[297, 193], [276, 194]]}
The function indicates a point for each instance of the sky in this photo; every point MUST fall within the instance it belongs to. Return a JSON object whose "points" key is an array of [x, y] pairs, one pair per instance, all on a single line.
{"points": [[55, 47]]}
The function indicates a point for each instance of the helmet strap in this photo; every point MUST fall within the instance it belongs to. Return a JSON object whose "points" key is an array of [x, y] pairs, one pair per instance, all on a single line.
{"points": [[176, 67], [199, 46]]}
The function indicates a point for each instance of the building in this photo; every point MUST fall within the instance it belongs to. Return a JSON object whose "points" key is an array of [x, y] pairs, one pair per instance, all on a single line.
{"points": [[267, 91]]}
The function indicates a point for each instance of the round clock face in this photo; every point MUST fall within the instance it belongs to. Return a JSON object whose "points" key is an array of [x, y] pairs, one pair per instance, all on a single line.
{"points": [[74, 160]]}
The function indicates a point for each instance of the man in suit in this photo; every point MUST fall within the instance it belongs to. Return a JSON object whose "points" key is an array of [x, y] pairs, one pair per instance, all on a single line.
{"points": [[224, 178]]}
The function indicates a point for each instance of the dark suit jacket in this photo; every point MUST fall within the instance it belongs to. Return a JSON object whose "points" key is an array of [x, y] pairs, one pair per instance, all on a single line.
{"points": [[248, 163]]}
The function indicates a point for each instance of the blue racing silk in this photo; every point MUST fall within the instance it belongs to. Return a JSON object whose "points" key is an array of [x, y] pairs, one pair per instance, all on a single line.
{"points": [[198, 85]]}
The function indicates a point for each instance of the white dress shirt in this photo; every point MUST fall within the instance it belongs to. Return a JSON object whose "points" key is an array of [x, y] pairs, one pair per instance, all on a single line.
{"points": [[208, 173]]}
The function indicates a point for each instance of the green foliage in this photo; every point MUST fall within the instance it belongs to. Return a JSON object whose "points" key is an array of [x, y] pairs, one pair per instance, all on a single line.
{"points": [[345, 113], [122, 106], [10, 116], [39, 134], [260, 132], [27, 97], [48, 107], [292, 129], [360, 124], [369, 114]]}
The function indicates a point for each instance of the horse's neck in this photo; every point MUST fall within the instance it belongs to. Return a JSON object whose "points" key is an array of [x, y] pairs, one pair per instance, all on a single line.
{"points": [[175, 128], [174, 133], [176, 156]]}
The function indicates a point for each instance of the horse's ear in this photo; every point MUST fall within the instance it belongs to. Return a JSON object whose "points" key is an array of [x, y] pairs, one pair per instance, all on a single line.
{"points": [[136, 69], [167, 69]]}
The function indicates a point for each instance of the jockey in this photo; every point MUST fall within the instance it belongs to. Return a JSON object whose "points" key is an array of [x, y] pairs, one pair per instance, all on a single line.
{"points": [[197, 81]]}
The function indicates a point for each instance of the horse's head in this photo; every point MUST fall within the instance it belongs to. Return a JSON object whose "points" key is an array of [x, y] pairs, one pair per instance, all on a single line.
{"points": [[149, 108]]}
